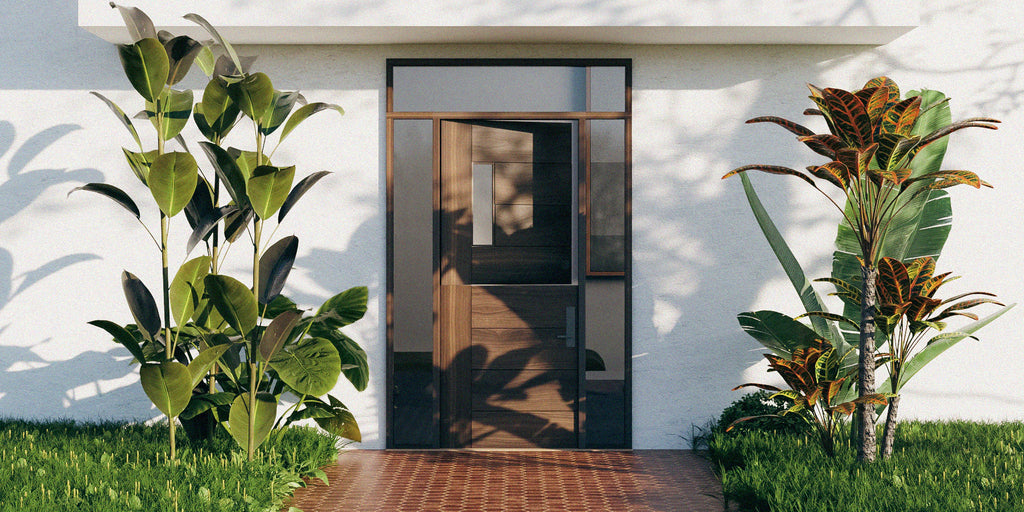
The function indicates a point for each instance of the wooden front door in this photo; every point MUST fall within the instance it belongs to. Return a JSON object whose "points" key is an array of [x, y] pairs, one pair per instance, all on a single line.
{"points": [[508, 317]]}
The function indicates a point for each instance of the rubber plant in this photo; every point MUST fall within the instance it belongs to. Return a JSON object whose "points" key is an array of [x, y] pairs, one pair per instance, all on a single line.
{"points": [[153, 64], [282, 350], [870, 146], [815, 377], [908, 313]]}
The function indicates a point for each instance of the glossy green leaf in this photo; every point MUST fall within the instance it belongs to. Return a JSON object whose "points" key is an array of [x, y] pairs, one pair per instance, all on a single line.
{"points": [[777, 332], [123, 337], [311, 367], [137, 22], [275, 264], [254, 95], [204, 361], [278, 332], [236, 222], [168, 385], [140, 163], [125, 120], [233, 300], [205, 60], [207, 224], [226, 168], [344, 308], [181, 53], [199, 20], [278, 111], [298, 191], [146, 66], [265, 412], [141, 304], [341, 423], [304, 112], [268, 188], [172, 180], [354, 363], [175, 107], [218, 109], [201, 403], [113, 193], [808, 295], [187, 288], [279, 305], [248, 161]]}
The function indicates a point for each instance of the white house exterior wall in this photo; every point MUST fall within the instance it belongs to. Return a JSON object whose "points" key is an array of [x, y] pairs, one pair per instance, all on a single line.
{"points": [[698, 256]]}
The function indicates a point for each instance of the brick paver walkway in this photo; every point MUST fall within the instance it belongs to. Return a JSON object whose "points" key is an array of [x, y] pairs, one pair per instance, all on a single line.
{"points": [[475, 480]]}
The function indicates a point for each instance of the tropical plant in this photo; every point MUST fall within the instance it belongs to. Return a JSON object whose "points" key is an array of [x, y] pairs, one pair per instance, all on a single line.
{"points": [[215, 317], [871, 145], [815, 377], [907, 313], [153, 64]]}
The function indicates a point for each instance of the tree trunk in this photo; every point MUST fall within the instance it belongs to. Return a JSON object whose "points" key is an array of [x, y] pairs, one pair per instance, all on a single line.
{"points": [[889, 438], [866, 373]]}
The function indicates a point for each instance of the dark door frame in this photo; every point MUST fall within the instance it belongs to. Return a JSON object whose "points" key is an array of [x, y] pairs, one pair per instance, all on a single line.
{"points": [[582, 118]]}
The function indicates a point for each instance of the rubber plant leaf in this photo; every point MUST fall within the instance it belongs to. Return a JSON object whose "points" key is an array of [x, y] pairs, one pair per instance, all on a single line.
{"points": [[146, 66], [181, 53], [354, 364], [113, 193], [204, 361], [137, 22], [265, 412], [341, 423], [278, 332], [201, 403], [298, 191], [175, 107], [140, 163], [168, 385], [172, 180], [219, 111], [304, 112], [278, 110], [199, 20], [187, 287], [268, 189], [123, 337], [311, 367], [254, 94], [125, 120], [275, 264], [233, 300], [141, 304], [227, 169]]}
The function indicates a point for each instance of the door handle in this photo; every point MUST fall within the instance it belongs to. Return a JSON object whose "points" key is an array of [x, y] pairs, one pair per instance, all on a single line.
{"points": [[570, 327]]}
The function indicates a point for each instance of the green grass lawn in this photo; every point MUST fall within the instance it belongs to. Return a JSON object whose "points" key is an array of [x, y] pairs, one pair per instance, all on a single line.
{"points": [[941, 467], [68, 466]]}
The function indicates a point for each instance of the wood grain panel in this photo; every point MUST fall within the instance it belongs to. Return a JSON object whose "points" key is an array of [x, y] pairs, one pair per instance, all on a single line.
{"points": [[523, 225], [456, 203], [524, 183], [524, 390], [498, 430], [521, 142], [521, 265], [519, 307], [527, 349], [456, 357]]}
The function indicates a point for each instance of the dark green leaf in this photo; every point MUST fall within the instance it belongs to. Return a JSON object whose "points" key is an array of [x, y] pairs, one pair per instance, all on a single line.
{"points": [[227, 169], [113, 193], [344, 308], [122, 336], [199, 20], [777, 332], [146, 66], [181, 53], [275, 264], [207, 224], [218, 109], [234, 301], [354, 363], [142, 305], [341, 423], [278, 332], [204, 402], [280, 107], [298, 191], [175, 107], [140, 163], [204, 361], [311, 367], [236, 222], [238, 421], [125, 120]]}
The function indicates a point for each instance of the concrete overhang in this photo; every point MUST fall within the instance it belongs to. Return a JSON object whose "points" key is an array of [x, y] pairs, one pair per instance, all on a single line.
{"points": [[862, 22]]}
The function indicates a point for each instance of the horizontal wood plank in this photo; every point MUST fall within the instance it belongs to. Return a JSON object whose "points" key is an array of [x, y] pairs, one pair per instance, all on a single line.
{"points": [[521, 265], [517, 307], [527, 349], [524, 390], [503, 430]]}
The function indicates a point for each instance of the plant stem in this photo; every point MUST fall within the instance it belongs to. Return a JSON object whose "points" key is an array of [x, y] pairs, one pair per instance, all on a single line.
{"points": [[866, 376], [253, 345]]}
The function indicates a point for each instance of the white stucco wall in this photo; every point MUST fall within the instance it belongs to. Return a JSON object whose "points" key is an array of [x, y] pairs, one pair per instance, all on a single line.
{"points": [[699, 258]]}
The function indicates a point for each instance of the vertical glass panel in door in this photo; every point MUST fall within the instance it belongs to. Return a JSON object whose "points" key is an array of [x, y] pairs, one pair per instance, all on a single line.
{"points": [[414, 423], [607, 211]]}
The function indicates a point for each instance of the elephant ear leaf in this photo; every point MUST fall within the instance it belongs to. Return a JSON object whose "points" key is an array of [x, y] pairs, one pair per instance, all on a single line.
{"points": [[275, 264], [141, 304], [137, 22], [340, 422], [146, 65], [168, 385], [117, 195], [344, 308], [122, 336], [311, 367], [301, 114], [298, 191]]}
